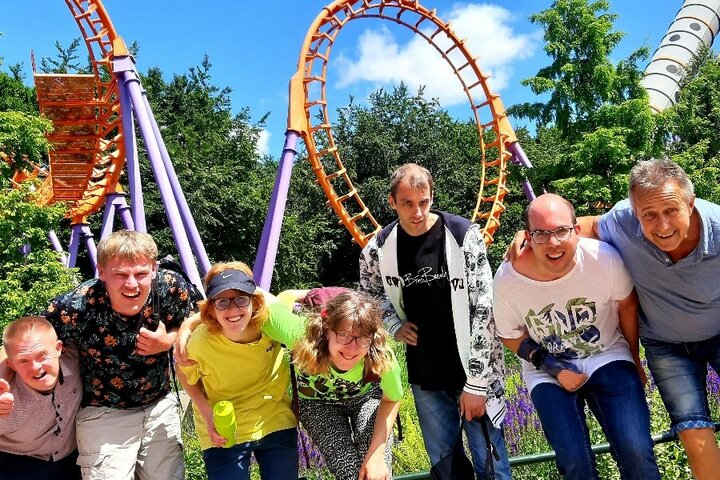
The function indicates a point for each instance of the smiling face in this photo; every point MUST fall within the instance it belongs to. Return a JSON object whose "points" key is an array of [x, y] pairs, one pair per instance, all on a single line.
{"points": [[235, 320], [413, 208], [345, 357], [554, 258], [666, 218], [128, 283], [36, 360]]}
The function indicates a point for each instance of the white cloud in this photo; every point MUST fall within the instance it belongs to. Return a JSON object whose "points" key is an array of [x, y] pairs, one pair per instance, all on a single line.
{"points": [[263, 144], [383, 60]]}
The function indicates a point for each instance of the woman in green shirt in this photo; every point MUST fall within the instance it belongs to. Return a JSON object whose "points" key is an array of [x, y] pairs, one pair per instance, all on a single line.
{"points": [[349, 387]]}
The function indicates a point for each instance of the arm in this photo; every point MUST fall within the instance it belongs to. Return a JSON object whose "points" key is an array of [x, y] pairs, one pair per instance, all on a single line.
{"points": [[371, 283], [7, 399], [174, 304], [196, 394], [182, 337], [589, 226], [373, 467], [627, 315], [567, 374], [151, 343]]}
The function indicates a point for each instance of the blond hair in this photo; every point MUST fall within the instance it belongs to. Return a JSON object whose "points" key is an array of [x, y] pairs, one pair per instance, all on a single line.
{"points": [[347, 311], [127, 245], [26, 327], [207, 311]]}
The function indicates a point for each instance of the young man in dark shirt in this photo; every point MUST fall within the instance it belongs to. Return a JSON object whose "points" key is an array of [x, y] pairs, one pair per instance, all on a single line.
{"points": [[431, 270]]}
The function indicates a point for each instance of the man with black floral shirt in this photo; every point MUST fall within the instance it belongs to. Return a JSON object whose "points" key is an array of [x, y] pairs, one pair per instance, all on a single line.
{"points": [[123, 325]]}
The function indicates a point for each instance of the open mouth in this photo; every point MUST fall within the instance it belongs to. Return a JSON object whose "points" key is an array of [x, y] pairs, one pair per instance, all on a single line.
{"points": [[666, 236], [40, 376], [348, 357], [555, 255], [131, 296], [233, 319]]}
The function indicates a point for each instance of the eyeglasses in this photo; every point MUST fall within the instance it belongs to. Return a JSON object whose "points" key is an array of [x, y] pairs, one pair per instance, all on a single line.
{"points": [[224, 303], [362, 341], [561, 234]]}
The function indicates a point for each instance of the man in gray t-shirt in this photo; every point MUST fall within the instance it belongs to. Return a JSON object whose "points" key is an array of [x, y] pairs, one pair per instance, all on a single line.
{"points": [[669, 242]]}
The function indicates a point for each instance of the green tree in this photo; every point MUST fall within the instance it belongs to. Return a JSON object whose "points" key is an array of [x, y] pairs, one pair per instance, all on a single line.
{"points": [[596, 121], [28, 282], [66, 60]]}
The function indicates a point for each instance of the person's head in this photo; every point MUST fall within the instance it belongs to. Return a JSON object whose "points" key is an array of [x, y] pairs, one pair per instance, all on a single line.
{"points": [[552, 232], [33, 352], [411, 196], [348, 329], [127, 264], [233, 306], [662, 198]]}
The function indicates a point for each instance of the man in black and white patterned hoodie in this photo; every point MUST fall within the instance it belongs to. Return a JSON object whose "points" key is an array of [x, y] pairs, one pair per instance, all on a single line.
{"points": [[431, 271]]}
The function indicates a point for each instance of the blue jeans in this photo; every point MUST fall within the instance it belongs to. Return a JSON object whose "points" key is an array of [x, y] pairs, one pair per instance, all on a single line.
{"points": [[276, 454], [440, 422], [680, 373], [615, 395]]}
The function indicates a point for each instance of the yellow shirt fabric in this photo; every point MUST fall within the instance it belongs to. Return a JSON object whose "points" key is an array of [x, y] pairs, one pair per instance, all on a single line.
{"points": [[253, 376]]}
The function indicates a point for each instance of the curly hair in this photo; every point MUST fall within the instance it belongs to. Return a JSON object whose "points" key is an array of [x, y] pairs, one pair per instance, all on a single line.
{"points": [[207, 310], [347, 311]]}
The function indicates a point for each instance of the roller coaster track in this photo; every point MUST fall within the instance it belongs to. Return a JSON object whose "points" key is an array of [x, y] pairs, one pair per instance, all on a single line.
{"points": [[309, 110], [88, 153]]}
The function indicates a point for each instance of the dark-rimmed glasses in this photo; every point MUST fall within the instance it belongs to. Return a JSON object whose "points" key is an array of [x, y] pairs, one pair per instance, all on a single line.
{"points": [[224, 303], [561, 234], [363, 341]]}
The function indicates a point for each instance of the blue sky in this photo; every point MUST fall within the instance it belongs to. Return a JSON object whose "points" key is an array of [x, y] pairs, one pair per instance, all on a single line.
{"points": [[254, 45]]}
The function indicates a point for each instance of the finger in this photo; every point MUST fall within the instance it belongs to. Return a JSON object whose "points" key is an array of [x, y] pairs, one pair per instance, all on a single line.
{"points": [[161, 327], [4, 386], [411, 326]]}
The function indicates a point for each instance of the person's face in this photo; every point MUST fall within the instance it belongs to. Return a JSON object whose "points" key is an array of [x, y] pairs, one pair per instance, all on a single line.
{"points": [[344, 356], [233, 311], [555, 257], [664, 215], [128, 283], [36, 360], [413, 208]]}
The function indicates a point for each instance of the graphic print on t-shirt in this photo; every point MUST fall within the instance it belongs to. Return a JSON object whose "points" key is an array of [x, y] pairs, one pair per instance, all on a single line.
{"points": [[568, 333]]}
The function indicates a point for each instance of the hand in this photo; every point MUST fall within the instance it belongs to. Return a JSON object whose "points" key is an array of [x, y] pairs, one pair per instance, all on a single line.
{"points": [[407, 334], [150, 343], [472, 406], [7, 399], [216, 439], [516, 247], [570, 380], [374, 468], [640, 370]]}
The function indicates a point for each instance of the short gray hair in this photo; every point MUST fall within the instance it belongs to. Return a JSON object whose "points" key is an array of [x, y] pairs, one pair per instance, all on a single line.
{"points": [[652, 174]]}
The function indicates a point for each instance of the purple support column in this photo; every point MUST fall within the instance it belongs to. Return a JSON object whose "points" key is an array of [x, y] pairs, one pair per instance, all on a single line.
{"points": [[55, 242], [188, 220], [132, 84], [75, 237], [123, 210], [108, 217], [519, 158], [267, 250], [131, 163], [90, 246]]}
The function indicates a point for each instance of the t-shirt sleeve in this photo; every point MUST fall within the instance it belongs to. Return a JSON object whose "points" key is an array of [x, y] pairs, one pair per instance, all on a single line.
{"points": [[193, 372], [283, 325], [391, 381], [610, 225], [622, 284], [509, 323]]}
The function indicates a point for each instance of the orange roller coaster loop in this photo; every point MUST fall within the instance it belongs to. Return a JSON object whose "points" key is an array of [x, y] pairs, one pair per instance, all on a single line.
{"points": [[308, 103], [88, 153]]}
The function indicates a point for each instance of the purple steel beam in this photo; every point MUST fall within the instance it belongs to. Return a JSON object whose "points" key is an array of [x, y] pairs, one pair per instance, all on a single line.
{"points": [[90, 246], [520, 158], [75, 235], [194, 236], [115, 203], [57, 246], [131, 82], [267, 250], [132, 164], [108, 217]]}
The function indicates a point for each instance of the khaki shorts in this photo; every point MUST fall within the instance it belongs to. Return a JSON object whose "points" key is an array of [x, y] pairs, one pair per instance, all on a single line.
{"points": [[124, 444]]}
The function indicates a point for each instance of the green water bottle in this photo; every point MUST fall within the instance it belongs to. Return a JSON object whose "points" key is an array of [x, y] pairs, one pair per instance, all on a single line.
{"points": [[224, 419]]}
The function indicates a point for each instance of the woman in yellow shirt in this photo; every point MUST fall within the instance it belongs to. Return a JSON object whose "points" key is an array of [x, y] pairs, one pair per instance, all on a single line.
{"points": [[238, 357]]}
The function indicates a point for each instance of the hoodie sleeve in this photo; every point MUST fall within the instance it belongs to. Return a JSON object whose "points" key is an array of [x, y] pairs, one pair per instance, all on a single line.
{"points": [[372, 284]]}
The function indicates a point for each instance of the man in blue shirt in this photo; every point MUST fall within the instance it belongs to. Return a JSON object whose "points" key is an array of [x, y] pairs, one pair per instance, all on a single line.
{"points": [[669, 242]]}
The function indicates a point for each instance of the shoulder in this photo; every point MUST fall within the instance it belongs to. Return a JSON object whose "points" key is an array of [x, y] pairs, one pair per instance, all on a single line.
{"points": [[458, 226], [382, 235]]}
